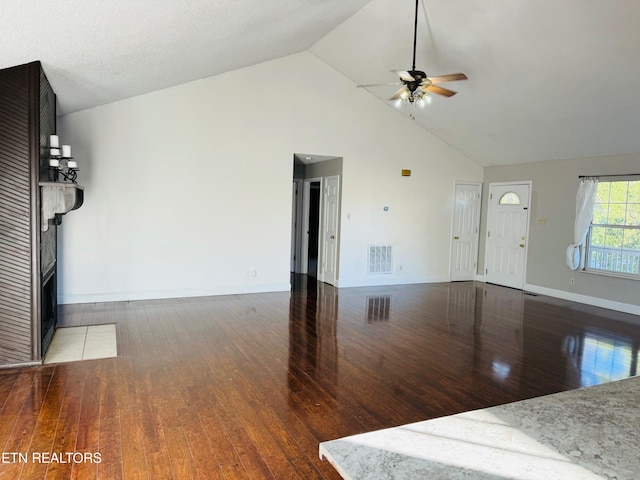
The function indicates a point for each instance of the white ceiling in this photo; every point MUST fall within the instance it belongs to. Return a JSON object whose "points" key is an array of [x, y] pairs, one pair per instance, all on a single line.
{"points": [[97, 51], [547, 79]]}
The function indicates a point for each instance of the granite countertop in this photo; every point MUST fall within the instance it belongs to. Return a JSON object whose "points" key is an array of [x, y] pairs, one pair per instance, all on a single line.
{"points": [[589, 433]]}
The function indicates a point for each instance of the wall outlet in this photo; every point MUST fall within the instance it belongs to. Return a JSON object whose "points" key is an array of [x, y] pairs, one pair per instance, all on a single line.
{"points": [[542, 220], [572, 281]]}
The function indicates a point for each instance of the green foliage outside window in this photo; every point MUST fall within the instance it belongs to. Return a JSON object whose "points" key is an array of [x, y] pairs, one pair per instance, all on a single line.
{"points": [[614, 237]]}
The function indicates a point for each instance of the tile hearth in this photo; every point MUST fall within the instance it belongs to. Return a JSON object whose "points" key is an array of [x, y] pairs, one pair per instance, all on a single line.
{"points": [[72, 344]]}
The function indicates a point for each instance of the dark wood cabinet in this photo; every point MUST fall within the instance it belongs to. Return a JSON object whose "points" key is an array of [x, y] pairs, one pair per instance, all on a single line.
{"points": [[28, 288]]}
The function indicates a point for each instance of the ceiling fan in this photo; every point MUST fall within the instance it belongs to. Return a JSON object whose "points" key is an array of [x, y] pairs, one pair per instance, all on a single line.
{"points": [[416, 85]]}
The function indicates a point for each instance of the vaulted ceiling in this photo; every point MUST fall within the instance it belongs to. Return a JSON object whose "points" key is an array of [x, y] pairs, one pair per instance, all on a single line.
{"points": [[547, 80]]}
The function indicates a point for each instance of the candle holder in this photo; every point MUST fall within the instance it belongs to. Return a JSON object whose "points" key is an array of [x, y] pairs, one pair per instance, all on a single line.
{"points": [[61, 162], [65, 167]]}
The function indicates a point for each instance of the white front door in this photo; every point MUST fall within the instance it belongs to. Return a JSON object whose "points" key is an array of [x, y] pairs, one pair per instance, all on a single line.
{"points": [[330, 230], [466, 224], [507, 233]]}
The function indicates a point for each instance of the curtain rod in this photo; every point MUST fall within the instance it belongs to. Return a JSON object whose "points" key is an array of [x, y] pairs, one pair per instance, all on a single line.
{"points": [[618, 175]]}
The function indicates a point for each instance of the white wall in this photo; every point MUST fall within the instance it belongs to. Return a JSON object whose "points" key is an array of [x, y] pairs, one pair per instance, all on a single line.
{"points": [[189, 188]]}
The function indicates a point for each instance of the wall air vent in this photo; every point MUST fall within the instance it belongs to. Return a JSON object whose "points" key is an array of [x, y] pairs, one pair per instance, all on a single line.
{"points": [[380, 259]]}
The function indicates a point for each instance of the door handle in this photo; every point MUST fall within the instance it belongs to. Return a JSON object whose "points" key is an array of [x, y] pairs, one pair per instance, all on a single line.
{"points": [[522, 245], [456, 237], [332, 237]]}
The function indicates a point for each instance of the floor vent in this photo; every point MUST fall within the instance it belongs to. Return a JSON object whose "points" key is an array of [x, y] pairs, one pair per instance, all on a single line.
{"points": [[380, 259]]}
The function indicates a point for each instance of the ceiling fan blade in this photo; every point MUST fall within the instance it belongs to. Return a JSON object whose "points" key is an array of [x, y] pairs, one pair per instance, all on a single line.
{"points": [[452, 77], [439, 90], [404, 75], [379, 85], [398, 94]]}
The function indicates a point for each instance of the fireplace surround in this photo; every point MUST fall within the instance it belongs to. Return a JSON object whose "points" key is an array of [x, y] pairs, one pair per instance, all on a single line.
{"points": [[31, 205]]}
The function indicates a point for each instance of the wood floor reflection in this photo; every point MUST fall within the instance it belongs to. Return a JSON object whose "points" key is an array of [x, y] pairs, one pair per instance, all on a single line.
{"points": [[246, 386]]}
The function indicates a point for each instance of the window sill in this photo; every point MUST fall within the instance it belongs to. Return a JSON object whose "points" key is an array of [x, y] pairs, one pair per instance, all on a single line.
{"points": [[611, 274]]}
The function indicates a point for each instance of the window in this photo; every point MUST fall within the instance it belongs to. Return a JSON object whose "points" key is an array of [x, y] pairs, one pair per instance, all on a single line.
{"points": [[510, 198], [613, 244]]}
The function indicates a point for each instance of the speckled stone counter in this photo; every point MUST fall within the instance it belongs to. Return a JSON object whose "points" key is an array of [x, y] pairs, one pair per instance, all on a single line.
{"points": [[590, 433]]}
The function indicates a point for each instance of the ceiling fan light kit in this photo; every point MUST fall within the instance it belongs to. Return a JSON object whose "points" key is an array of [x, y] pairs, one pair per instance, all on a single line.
{"points": [[417, 97], [416, 85]]}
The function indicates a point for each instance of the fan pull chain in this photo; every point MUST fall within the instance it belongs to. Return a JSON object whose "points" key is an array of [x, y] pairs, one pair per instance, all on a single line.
{"points": [[412, 110]]}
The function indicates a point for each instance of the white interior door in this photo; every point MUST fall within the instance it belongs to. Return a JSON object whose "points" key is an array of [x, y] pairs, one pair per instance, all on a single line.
{"points": [[466, 225], [330, 230], [507, 233], [296, 226]]}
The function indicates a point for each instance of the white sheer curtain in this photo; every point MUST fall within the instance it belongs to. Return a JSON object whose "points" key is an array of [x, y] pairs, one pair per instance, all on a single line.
{"points": [[585, 199]]}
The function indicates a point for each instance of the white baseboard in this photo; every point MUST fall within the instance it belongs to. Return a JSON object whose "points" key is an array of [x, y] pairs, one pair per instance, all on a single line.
{"points": [[578, 298], [66, 299], [586, 299], [381, 281]]}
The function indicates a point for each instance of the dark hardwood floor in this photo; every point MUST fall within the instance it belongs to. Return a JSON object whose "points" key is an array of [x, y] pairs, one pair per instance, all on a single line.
{"points": [[246, 386]]}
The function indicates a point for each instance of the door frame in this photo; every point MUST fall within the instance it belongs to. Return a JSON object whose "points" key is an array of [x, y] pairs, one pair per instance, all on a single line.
{"points": [[476, 252], [529, 183], [296, 225]]}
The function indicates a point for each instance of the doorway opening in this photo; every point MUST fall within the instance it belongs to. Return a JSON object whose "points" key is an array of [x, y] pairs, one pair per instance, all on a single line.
{"points": [[315, 221], [314, 229]]}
